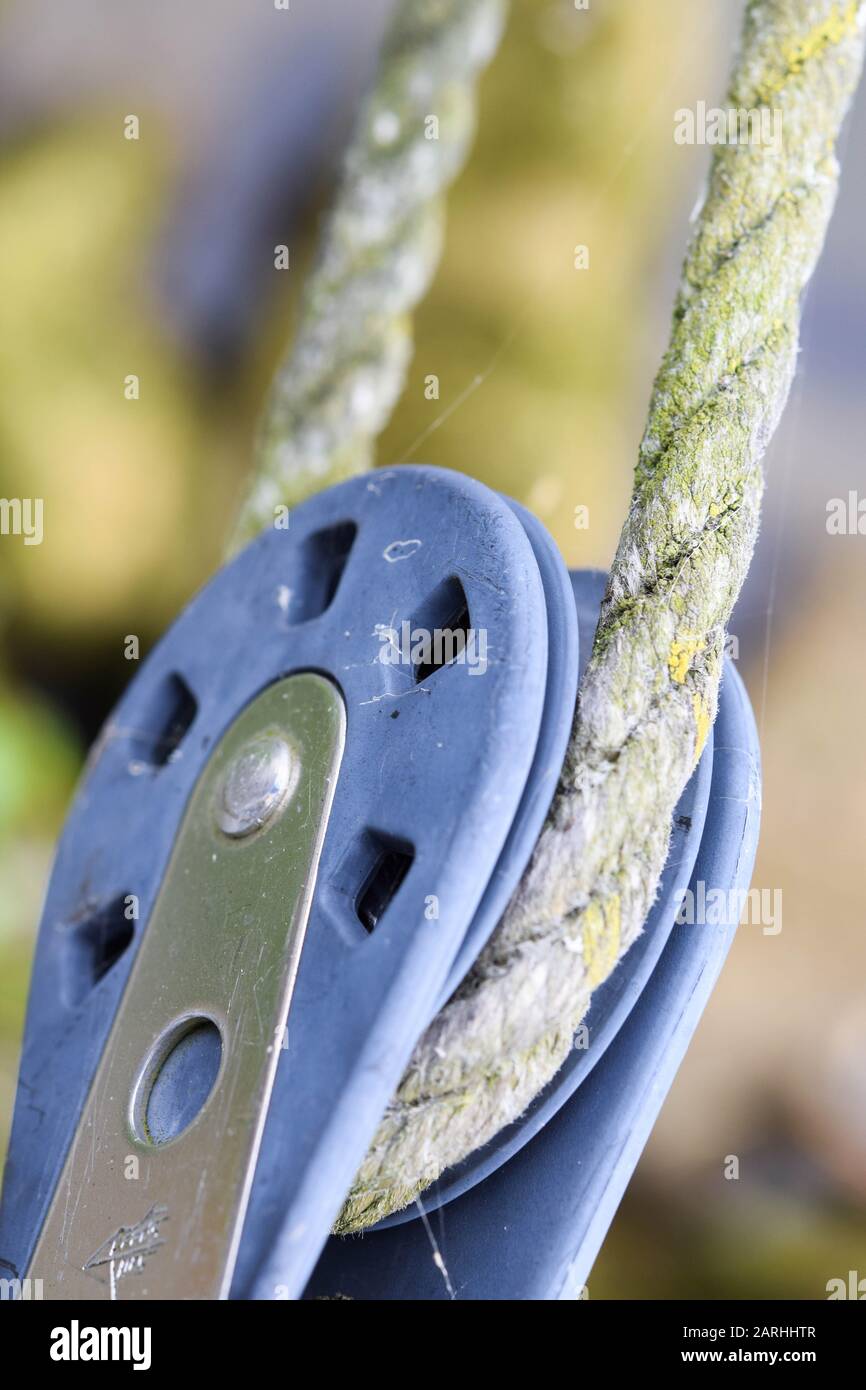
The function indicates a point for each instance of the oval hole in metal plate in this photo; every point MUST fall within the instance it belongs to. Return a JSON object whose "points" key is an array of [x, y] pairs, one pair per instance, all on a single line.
{"points": [[176, 1080]]}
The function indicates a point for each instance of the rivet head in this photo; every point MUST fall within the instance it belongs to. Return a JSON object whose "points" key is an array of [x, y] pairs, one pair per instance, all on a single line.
{"points": [[256, 785]]}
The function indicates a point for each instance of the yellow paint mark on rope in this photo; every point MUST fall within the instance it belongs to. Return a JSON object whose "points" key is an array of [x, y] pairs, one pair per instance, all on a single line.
{"points": [[681, 654], [702, 722], [600, 934]]}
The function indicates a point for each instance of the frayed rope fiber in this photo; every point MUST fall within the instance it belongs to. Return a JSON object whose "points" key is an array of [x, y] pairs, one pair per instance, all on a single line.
{"points": [[649, 695]]}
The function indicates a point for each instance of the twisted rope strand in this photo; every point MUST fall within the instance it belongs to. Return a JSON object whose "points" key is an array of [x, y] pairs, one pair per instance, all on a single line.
{"points": [[347, 367], [650, 693]]}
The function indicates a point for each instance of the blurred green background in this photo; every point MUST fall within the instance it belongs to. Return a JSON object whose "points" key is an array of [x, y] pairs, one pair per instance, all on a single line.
{"points": [[154, 257]]}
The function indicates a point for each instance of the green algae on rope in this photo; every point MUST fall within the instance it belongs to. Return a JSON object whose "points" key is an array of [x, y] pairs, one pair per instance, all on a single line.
{"points": [[649, 694], [347, 366]]}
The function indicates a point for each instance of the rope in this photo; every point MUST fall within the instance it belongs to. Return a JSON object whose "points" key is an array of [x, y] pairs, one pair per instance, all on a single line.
{"points": [[347, 367], [650, 692]]}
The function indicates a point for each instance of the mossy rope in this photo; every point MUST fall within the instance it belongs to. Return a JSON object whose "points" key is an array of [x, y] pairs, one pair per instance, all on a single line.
{"points": [[649, 695]]}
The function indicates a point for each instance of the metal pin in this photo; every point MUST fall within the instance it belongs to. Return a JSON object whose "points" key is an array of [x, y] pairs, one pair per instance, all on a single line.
{"points": [[256, 785]]}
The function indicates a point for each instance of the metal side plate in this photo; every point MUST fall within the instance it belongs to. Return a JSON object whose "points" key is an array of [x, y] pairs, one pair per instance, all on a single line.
{"points": [[152, 1195]]}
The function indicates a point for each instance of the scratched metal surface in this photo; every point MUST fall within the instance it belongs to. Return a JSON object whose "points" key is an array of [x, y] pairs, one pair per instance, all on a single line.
{"points": [[222, 950]]}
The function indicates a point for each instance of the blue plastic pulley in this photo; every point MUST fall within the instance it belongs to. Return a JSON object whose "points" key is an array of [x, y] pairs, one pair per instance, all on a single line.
{"points": [[295, 834], [524, 1217]]}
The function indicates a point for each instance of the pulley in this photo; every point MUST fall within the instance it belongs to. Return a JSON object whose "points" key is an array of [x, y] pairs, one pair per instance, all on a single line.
{"points": [[296, 832]]}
